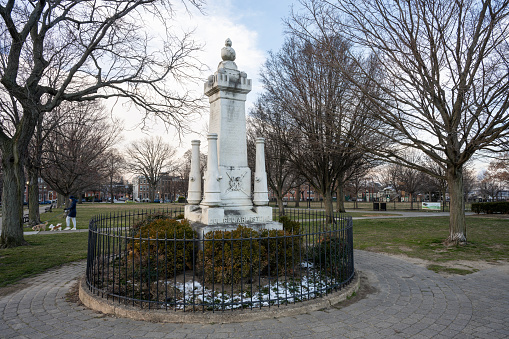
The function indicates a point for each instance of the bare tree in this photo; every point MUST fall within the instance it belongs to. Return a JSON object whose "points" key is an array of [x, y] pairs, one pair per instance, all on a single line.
{"points": [[281, 175], [445, 80], [56, 51], [388, 176], [469, 182], [73, 157], [150, 157], [489, 185], [114, 164], [45, 125], [320, 109], [500, 169], [353, 186], [410, 179]]}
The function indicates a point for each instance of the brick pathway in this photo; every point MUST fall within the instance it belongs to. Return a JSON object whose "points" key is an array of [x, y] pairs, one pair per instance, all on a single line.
{"points": [[409, 302]]}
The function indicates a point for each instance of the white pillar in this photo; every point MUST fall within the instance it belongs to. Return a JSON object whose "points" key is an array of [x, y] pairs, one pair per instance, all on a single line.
{"points": [[261, 193], [212, 188], [194, 191]]}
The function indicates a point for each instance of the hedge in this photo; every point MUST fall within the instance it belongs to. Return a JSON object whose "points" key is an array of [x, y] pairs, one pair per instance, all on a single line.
{"points": [[491, 207]]}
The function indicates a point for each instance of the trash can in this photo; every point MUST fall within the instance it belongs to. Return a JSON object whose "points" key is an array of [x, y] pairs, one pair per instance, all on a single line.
{"points": [[383, 206], [376, 206]]}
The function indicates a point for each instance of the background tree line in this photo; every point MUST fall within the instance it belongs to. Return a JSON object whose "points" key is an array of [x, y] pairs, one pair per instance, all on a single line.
{"points": [[424, 85]]}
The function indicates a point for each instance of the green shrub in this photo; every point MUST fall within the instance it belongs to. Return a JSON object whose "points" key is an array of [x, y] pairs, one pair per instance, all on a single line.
{"points": [[282, 251], [228, 261], [270, 252], [158, 252], [491, 207], [289, 225], [157, 215], [329, 254], [149, 218], [182, 200]]}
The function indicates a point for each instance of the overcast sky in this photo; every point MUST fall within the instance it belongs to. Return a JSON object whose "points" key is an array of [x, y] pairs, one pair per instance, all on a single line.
{"points": [[255, 27]]}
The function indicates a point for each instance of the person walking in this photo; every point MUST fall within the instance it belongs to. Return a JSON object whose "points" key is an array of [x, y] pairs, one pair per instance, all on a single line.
{"points": [[71, 214]]}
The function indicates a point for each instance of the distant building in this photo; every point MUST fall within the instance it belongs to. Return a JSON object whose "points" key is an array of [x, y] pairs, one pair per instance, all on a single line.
{"points": [[169, 188]]}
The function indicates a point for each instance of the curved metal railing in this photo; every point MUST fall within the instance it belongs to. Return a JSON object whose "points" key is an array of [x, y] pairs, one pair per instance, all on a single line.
{"points": [[219, 271]]}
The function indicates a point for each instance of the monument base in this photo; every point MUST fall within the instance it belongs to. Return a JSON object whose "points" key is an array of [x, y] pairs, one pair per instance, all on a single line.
{"points": [[205, 219]]}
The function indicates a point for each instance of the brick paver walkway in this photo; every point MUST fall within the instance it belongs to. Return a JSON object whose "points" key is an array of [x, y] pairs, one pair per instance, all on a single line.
{"points": [[409, 302]]}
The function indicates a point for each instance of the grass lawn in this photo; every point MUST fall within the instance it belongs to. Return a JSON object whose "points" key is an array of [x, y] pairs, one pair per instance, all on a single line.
{"points": [[84, 212], [488, 238], [414, 237], [44, 252]]}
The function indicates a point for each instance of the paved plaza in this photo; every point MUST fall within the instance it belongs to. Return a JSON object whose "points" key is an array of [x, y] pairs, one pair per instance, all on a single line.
{"points": [[404, 301]]}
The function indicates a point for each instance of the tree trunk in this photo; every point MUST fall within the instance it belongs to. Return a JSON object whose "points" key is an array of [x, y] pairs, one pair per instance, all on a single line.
{"points": [[297, 198], [457, 224], [12, 196], [329, 209], [279, 201], [340, 199], [411, 201], [60, 200], [111, 188], [280, 205], [33, 198], [151, 194]]}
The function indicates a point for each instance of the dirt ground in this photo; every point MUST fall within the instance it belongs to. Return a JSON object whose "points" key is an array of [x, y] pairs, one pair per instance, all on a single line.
{"points": [[477, 265]]}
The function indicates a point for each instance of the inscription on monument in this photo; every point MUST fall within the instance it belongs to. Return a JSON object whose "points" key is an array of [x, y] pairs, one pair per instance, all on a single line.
{"points": [[232, 220]]}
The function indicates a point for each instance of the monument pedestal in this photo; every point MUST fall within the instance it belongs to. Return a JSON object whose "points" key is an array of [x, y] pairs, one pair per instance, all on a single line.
{"points": [[205, 219]]}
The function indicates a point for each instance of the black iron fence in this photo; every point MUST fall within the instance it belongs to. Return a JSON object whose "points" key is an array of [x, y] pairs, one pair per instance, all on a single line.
{"points": [[144, 258]]}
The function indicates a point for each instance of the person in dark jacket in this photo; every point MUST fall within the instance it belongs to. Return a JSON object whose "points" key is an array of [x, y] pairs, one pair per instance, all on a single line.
{"points": [[71, 214]]}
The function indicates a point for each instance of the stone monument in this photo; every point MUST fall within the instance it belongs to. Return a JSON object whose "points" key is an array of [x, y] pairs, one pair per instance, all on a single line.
{"points": [[227, 201]]}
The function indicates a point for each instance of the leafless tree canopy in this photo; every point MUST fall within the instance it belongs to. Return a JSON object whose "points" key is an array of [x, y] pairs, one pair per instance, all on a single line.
{"points": [[58, 51], [323, 117], [75, 153], [150, 157], [76, 51], [114, 165], [446, 76], [281, 174]]}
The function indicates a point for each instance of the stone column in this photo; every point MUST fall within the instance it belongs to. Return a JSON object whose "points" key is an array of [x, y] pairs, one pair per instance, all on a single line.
{"points": [[261, 193], [194, 191], [212, 188]]}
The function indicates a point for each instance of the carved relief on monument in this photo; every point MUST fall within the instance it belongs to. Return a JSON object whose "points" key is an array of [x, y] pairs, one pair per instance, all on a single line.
{"points": [[235, 182]]}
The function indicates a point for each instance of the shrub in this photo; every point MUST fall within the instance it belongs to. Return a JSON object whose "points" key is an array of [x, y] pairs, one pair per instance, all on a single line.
{"points": [[160, 251], [182, 200], [491, 207], [149, 218], [329, 254], [227, 258], [282, 251], [289, 225], [272, 252]]}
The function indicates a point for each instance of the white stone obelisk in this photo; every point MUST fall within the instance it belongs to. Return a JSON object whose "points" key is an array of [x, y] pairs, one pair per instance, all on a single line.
{"points": [[227, 90], [194, 192], [227, 200], [260, 192]]}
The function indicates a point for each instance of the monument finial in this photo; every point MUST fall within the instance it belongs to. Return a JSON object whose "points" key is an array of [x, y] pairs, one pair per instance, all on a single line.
{"points": [[227, 52]]}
